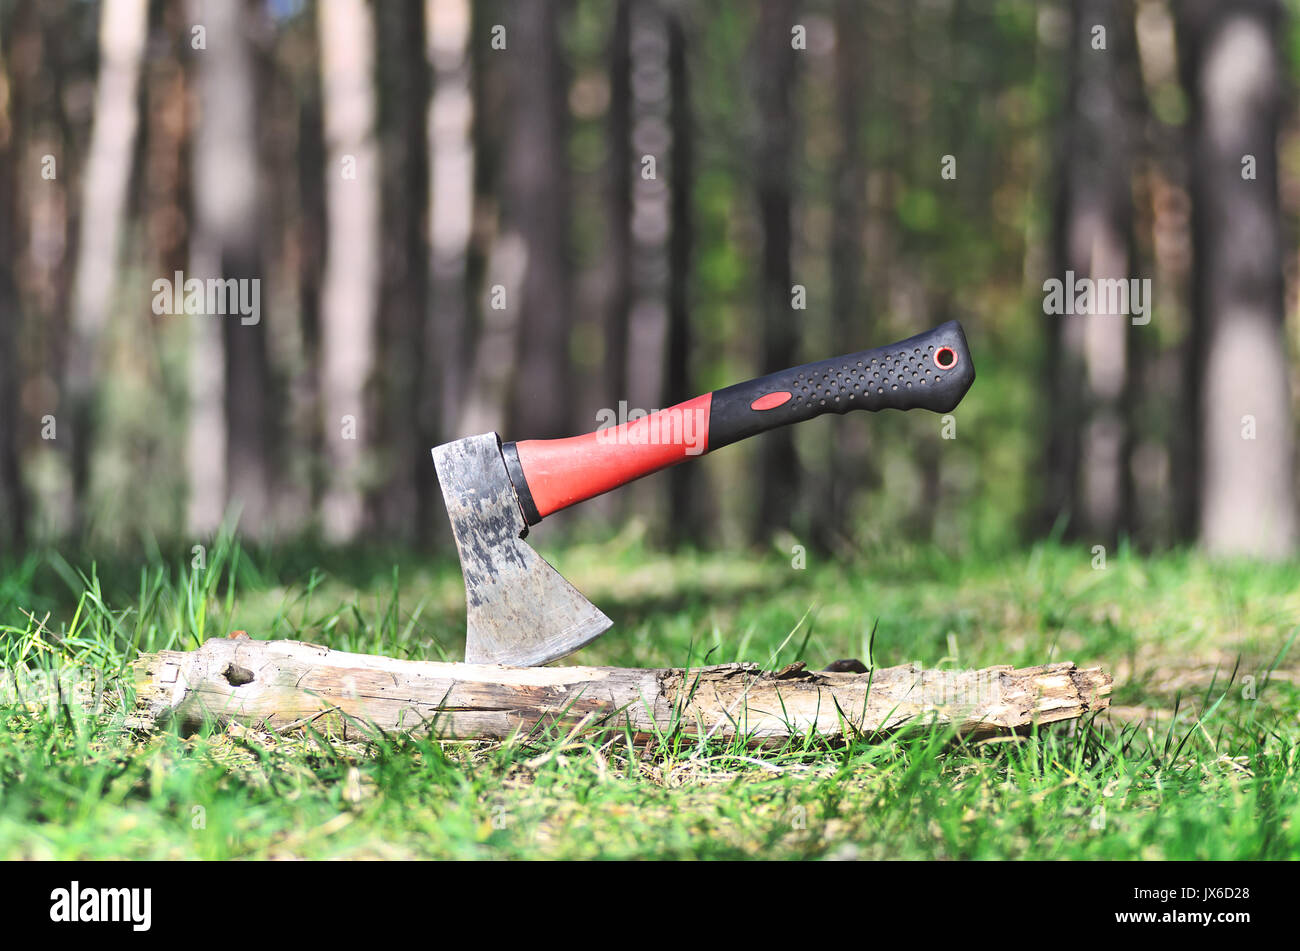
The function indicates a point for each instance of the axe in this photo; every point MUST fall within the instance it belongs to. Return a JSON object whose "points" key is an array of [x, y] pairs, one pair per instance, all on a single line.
{"points": [[519, 610]]}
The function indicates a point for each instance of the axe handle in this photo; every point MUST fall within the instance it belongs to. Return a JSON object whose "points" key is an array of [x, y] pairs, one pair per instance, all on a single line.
{"points": [[930, 371]]}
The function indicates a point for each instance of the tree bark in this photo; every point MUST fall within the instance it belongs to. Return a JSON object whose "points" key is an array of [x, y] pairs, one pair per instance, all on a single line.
{"points": [[774, 67], [536, 210], [249, 415], [289, 685], [1088, 371], [448, 27], [311, 175], [166, 175], [401, 432], [646, 359], [498, 262], [847, 462], [122, 28], [684, 525], [350, 286], [619, 171], [12, 507], [1232, 70], [229, 365]]}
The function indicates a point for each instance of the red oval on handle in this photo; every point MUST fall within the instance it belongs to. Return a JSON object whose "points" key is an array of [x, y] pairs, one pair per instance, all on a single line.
{"points": [[771, 401]]}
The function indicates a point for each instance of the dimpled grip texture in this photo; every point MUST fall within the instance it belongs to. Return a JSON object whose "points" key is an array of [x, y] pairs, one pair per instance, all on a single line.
{"points": [[904, 375]]}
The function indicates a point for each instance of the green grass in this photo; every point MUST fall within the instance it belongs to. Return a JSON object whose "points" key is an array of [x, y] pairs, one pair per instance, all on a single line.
{"points": [[1197, 760]]}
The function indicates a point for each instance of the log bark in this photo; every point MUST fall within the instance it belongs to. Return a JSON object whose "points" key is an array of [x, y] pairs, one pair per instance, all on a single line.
{"points": [[284, 686]]}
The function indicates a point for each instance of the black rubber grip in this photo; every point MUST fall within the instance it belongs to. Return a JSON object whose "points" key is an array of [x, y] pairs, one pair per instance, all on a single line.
{"points": [[930, 371]]}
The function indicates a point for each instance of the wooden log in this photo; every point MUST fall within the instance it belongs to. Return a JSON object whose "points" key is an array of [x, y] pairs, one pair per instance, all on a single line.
{"points": [[285, 685]]}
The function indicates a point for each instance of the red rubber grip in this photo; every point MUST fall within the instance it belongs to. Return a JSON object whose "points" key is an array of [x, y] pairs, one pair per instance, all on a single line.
{"points": [[563, 472]]}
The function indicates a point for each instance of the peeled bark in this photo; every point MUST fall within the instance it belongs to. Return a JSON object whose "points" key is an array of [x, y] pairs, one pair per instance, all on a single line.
{"points": [[287, 686]]}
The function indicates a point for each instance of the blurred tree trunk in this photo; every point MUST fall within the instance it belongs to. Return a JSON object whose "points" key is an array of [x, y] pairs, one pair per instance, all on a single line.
{"points": [[1162, 416], [229, 368], [846, 455], [290, 158], [774, 71], [250, 415], [122, 28], [654, 347], [13, 512], [1233, 73], [496, 265], [310, 183], [12, 508], [619, 172], [1088, 374], [450, 213], [404, 98], [536, 209], [616, 254], [51, 215], [56, 58], [647, 340], [165, 199], [683, 523], [350, 283], [651, 175], [165, 182]]}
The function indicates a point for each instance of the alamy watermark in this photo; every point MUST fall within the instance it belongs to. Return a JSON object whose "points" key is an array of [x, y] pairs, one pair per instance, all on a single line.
{"points": [[1098, 297], [76, 904], [215, 297], [46, 689], [952, 688], [686, 426]]}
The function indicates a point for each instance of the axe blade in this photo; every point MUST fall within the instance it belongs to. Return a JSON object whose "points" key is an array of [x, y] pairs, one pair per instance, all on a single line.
{"points": [[519, 611]]}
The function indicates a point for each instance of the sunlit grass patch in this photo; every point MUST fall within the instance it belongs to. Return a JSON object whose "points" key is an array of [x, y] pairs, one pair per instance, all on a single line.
{"points": [[1196, 760]]}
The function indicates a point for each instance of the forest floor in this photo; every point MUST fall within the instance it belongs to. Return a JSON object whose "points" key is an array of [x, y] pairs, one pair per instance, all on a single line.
{"points": [[1197, 757]]}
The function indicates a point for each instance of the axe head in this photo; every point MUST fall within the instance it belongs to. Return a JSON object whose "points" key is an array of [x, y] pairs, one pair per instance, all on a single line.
{"points": [[519, 610]]}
